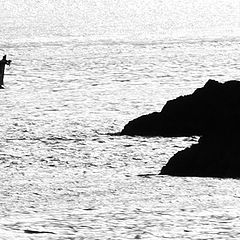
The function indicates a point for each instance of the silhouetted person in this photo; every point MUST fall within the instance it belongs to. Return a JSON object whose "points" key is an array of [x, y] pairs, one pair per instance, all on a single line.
{"points": [[3, 62]]}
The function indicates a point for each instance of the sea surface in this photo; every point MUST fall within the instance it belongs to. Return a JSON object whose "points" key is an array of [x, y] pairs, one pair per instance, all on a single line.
{"points": [[80, 71]]}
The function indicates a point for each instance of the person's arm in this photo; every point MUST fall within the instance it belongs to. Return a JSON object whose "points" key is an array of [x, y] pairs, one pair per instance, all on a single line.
{"points": [[8, 62]]}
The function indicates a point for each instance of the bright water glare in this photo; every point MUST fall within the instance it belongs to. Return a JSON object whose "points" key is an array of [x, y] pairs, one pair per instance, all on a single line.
{"points": [[82, 70]]}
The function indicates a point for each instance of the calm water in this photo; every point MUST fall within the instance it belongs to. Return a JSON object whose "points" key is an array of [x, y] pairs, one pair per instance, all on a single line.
{"points": [[82, 70]]}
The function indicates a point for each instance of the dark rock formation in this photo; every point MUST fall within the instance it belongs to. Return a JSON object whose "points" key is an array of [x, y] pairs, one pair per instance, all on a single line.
{"points": [[217, 153], [213, 112], [197, 114], [213, 156]]}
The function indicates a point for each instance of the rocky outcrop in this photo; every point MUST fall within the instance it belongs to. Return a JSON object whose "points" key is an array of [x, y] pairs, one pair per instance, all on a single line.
{"points": [[213, 156], [195, 114], [212, 112], [217, 154]]}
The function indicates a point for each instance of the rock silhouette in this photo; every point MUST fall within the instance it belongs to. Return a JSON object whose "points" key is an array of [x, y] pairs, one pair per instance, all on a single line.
{"points": [[194, 114], [213, 156], [212, 112]]}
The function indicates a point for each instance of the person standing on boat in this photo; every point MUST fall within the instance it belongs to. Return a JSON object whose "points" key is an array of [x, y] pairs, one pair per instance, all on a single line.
{"points": [[3, 62]]}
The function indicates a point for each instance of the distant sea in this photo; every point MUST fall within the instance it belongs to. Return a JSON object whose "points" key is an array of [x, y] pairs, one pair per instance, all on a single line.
{"points": [[83, 69]]}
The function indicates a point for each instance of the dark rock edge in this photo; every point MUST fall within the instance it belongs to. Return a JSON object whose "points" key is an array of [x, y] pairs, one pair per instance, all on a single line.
{"points": [[212, 112]]}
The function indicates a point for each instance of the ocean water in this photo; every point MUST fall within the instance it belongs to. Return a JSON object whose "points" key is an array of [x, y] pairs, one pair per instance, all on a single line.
{"points": [[81, 70]]}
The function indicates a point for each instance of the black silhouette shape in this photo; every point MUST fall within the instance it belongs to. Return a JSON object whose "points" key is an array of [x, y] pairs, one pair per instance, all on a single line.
{"points": [[37, 232], [212, 112], [190, 115], [3, 62]]}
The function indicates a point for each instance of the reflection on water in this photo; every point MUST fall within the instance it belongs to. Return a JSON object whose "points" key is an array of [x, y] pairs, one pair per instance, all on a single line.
{"points": [[63, 176], [93, 205]]}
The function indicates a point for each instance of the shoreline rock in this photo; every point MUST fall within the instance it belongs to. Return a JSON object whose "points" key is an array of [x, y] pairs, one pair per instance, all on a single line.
{"points": [[195, 114], [212, 156], [212, 112]]}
